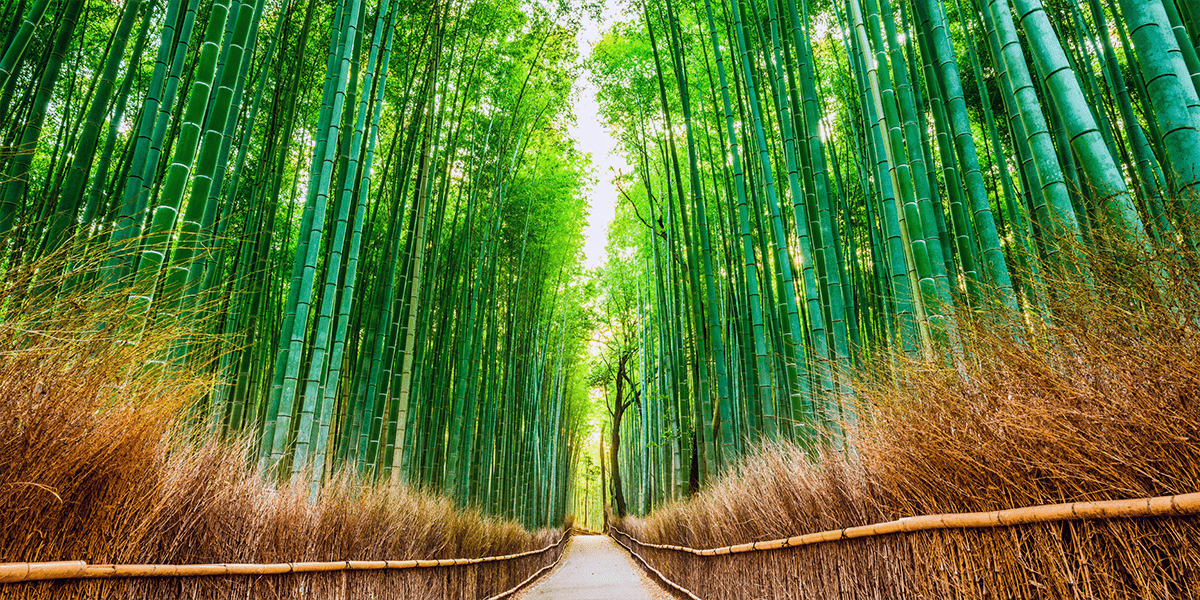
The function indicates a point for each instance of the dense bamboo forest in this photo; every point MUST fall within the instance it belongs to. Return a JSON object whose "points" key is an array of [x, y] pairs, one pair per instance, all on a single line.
{"points": [[338, 253], [373, 205], [824, 193]]}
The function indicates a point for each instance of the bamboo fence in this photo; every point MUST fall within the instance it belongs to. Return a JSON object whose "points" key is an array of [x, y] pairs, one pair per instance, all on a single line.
{"points": [[14, 573], [1181, 505], [671, 584]]}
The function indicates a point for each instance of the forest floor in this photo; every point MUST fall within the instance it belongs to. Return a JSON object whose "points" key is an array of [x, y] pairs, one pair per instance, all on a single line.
{"points": [[595, 568]]}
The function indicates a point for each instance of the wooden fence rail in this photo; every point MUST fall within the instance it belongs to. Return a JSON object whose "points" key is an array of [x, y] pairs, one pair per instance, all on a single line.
{"points": [[1159, 506], [936, 569], [37, 571]]}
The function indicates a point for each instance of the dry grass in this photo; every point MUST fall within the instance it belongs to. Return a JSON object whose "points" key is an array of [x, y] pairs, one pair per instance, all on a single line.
{"points": [[1103, 404], [97, 464]]}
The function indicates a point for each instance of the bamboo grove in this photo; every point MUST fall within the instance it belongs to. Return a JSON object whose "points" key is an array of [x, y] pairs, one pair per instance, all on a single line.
{"points": [[370, 209], [820, 187]]}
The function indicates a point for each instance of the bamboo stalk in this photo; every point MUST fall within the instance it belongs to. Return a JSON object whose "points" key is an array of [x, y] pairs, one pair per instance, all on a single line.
{"points": [[1159, 506], [21, 572], [13, 572]]}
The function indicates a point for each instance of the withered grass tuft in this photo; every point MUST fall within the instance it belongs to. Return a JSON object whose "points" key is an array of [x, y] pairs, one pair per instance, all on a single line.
{"points": [[98, 463], [1102, 403]]}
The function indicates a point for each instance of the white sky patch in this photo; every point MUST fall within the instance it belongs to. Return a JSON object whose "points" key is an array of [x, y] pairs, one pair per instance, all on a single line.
{"points": [[593, 138]]}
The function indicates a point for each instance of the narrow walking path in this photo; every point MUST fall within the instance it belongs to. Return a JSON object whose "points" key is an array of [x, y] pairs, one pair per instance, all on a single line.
{"points": [[595, 568]]}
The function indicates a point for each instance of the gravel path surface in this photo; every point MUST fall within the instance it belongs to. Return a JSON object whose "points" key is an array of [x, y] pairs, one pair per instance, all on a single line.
{"points": [[595, 568]]}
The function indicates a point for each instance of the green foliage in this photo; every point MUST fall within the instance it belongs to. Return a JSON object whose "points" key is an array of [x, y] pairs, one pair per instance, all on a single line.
{"points": [[942, 159], [380, 204]]}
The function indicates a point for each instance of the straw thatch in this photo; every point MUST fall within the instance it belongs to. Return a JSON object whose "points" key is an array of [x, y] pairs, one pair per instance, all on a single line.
{"points": [[99, 464], [1099, 405]]}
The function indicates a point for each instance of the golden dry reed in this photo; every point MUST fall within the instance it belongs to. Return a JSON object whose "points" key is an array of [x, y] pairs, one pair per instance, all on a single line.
{"points": [[1101, 403], [97, 463]]}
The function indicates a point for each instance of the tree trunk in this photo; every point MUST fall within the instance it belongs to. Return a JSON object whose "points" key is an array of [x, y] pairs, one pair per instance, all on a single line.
{"points": [[615, 441]]}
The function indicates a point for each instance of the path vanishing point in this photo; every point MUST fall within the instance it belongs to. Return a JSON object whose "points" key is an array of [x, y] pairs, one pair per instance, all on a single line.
{"points": [[595, 568]]}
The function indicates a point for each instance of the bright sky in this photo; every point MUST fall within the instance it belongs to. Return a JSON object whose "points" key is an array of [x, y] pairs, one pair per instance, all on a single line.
{"points": [[594, 139]]}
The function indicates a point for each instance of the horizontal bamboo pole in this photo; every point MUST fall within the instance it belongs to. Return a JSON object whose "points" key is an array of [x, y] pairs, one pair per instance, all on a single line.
{"points": [[45, 570], [1160, 506], [21, 572]]}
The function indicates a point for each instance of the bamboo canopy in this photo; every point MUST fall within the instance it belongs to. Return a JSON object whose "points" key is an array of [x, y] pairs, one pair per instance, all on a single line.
{"points": [[78, 569], [1159, 506]]}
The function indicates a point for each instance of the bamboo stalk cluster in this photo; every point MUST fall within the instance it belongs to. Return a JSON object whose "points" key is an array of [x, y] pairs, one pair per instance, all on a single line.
{"points": [[823, 192], [372, 207]]}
